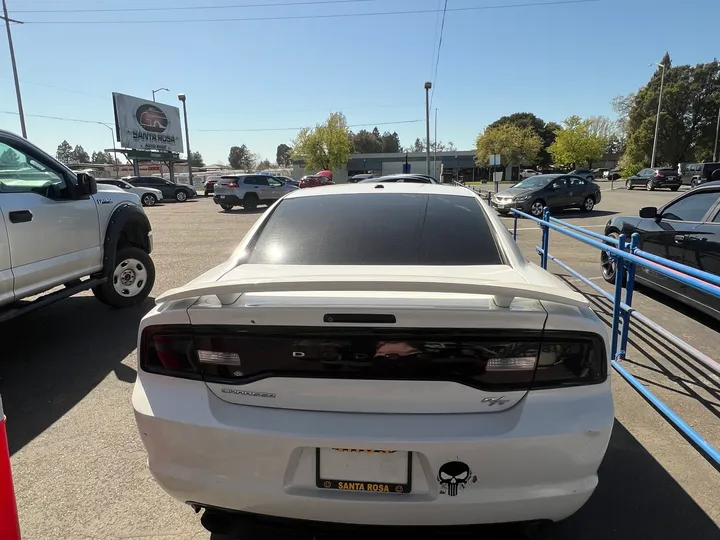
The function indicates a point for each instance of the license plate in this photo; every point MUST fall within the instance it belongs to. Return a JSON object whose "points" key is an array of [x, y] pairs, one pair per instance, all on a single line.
{"points": [[374, 471]]}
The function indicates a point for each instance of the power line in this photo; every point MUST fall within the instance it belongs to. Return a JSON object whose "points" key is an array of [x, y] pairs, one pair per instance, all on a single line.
{"points": [[301, 127], [437, 58], [434, 41], [25, 81], [58, 118], [321, 16], [191, 8]]}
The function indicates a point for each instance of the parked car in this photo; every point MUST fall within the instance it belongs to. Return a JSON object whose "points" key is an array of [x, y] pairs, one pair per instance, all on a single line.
{"points": [[249, 191], [288, 180], [407, 178], [209, 184], [615, 174], [353, 363], [360, 177], [583, 173], [170, 190], [600, 173], [556, 191], [61, 230], [657, 178], [148, 196], [314, 180], [527, 173], [695, 174], [686, 230]]}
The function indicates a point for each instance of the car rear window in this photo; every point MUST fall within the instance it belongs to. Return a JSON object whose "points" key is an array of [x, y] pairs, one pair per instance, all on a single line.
{"points": [[376, 229], [668, 172]]}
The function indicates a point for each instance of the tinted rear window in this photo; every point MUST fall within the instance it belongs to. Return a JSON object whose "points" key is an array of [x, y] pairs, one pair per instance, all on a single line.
{"points": [[377, 229]]}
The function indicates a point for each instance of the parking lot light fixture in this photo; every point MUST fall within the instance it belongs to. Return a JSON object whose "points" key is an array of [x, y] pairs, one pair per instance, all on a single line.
{"points": [[181, 97], [159, 90]]}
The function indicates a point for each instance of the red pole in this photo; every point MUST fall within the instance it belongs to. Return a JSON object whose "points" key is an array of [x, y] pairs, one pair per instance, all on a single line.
{"points": [[9, 524]]}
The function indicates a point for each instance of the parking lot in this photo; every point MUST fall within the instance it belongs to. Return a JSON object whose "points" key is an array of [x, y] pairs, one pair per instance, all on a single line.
{"points": [[79, 464]]}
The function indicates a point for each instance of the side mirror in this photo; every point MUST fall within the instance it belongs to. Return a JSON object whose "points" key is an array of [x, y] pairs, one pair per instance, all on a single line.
{"points": [[86, 185], [649, 212]]}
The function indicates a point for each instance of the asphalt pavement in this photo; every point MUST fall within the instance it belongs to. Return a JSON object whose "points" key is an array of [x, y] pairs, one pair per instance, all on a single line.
{"points": [[80, 471]]}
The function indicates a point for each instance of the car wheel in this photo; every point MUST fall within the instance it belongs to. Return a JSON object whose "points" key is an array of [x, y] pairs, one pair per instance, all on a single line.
{"points": [[674, 188], [149, 199], [207, 193], [588, 204], [181, 195], [628, 184], [536, 208], [226, 207], [130, 281], [607, 265], [649, 186], [250, 202], [693, 183]]}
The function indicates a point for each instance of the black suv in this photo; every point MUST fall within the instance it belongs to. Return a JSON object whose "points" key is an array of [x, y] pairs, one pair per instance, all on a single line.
{"points": [[170, 190], [700, 173], [655, 178]]}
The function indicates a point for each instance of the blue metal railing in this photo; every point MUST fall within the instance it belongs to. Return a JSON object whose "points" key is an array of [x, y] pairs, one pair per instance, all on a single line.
{"points": [[626, 258]]}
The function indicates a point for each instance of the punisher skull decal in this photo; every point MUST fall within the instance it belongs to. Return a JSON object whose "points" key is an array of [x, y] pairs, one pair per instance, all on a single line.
{"points": [[454, 475]]}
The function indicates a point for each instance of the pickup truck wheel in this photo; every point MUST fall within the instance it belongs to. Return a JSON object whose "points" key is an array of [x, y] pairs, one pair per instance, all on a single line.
{"points": [[130, 282], [181, 195], [149, 199], [226, 207], [250, 202]]}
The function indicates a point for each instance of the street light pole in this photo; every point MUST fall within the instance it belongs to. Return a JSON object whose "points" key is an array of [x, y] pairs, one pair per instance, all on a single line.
{"points": [[657, 120], [181, 97], [115, 160], [428, 86], [159, 90], [717, 132], [21, 112]]}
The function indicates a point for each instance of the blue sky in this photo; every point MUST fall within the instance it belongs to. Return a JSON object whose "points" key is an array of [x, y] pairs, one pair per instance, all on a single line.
{"points": [[553, 60]]}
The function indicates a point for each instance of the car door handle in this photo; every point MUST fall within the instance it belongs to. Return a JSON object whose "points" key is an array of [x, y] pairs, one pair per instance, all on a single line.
{"points": [[20, 216], [679, 238]]}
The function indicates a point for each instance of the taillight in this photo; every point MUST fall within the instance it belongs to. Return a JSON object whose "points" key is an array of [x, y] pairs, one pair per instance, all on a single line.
{"points": [[232, 184], [657, 175], [169, 350], [570, 361]]}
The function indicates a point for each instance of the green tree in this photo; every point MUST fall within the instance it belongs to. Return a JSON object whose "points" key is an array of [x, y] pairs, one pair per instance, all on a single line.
{"points": [[580, 142], [364, 142], [391, 143], [326, 146], [64, 152], [688, 115], [544, 130], [241, 158], [196, 159], [516, 145], [80, 155], [9, 159], [283, 155], [418, 146], [263, 165]]}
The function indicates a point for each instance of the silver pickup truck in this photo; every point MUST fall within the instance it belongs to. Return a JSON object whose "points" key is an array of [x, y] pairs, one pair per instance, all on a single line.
{"points": [[60, 229], [249, 191]]}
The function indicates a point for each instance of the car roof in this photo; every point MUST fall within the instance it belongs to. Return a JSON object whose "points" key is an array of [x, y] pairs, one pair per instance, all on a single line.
{"points": [[390, 187]]}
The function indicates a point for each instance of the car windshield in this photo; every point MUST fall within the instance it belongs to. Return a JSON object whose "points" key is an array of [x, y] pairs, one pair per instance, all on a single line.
{"points": [[535, 181], [376, 229]]}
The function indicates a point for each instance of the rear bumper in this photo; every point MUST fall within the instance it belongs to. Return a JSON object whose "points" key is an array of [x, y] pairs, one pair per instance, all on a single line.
{"points": [[228, 199], [535, 461]]}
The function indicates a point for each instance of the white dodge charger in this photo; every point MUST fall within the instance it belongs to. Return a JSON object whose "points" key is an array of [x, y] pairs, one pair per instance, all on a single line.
{"points": [[375, 354]]}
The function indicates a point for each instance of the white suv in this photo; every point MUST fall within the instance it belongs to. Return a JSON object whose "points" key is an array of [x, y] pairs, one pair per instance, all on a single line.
{"points": [[363, 359]]}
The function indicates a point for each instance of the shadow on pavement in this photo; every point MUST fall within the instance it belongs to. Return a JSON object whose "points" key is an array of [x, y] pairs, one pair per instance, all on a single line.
{"points": [[680, 307], [637, 499], [54, 357]]}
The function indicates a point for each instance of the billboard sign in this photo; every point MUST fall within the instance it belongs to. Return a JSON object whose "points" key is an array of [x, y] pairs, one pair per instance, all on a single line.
{"points": [[141, 124]]}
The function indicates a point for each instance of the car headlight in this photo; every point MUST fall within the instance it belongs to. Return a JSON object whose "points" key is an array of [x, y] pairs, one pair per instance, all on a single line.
{"points": [[523, 198]]}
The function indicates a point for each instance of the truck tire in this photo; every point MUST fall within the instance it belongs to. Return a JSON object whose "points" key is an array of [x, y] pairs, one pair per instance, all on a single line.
{"points": [[130, 282]]}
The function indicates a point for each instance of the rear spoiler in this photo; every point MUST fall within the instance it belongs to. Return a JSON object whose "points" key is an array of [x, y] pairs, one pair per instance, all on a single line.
{"points": [[227, 292]]}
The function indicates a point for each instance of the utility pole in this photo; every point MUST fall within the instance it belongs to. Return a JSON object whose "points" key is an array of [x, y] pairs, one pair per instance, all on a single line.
{"points": [[717, 133], [21, 112], [657, 120], [428, 86], [181, 97], [436, 144]]}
